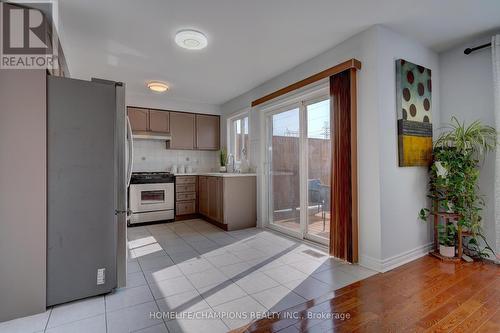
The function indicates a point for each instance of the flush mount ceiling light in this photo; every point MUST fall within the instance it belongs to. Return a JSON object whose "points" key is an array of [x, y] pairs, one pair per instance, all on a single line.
{"points": [[191, 39], [157, 86]]}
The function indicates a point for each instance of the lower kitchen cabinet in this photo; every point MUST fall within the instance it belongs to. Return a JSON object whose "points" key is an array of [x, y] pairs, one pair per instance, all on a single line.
{"points": [[211, 197], [215, 204], [230, 202], [203, 195], [185, 195], [186, 207]]}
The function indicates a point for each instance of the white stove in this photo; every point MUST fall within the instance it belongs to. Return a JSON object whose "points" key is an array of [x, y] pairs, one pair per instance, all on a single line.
{"points": [[152, 197]]}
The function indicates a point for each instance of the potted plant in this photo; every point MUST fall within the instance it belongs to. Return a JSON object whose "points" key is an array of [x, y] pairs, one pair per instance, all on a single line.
{"points": [[223, 159], [453, 180], [447, 239]]}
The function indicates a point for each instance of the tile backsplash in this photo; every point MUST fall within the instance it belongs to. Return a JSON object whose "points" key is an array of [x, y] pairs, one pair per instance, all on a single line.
{"points": [[151, 156]]}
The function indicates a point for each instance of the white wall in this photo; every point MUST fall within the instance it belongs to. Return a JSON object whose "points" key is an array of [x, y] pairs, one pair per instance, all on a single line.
{"points": [[23, 191], [467, 93], [389, 197], [403, 190]]}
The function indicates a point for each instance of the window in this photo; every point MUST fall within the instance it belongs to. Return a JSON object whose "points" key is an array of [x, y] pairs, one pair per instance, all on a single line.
{"points": [[238, 140]]}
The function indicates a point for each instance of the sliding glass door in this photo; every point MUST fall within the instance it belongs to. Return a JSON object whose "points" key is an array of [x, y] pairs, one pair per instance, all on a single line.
{"points": [[284, 177], [319, 161], [298, 144]]}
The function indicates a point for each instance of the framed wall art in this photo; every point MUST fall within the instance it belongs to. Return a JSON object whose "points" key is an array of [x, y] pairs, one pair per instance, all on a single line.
{"points": [[414, 105]]}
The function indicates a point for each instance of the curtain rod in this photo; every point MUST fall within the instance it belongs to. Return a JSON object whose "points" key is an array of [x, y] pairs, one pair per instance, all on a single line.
{"points": [[351, 63], [470, 50]]}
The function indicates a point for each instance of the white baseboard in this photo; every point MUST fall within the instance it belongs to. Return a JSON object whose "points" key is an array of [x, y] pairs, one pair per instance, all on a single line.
{"points": [[371, 263], [387, 264], [405, 257]]}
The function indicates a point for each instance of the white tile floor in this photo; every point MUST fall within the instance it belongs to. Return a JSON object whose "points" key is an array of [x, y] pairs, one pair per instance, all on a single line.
{"points": [[198, 270]]}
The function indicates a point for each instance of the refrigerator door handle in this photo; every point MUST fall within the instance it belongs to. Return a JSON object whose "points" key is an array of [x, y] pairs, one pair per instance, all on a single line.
{"points": [[128, 212], [130, 151]]}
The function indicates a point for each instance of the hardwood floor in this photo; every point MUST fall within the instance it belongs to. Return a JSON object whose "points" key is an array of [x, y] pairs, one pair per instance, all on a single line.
{"points": [[426, 295]]}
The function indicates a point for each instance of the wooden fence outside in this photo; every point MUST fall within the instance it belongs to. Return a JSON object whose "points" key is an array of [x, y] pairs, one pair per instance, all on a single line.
{"points": [[285, 171]]}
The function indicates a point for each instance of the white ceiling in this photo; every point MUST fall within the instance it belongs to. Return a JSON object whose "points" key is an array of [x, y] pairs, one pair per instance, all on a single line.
{"points": [[250, 41]]}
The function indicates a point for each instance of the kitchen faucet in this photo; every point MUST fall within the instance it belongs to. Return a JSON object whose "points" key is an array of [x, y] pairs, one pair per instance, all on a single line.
{"points": [[231, 161]]}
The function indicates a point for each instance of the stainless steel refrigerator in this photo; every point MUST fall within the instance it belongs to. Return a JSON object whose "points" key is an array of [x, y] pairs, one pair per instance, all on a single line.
{"points": [[87, 177]]}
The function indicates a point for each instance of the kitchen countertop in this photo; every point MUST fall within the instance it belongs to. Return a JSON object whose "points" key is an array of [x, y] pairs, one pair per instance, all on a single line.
{"points": [[217, 174]]}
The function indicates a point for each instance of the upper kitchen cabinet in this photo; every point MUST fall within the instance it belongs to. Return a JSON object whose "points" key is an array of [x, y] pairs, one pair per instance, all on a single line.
{"points": [[159, 121], [146, 120], [185, 130], [182, 130], [207, 132], [139, 118]]}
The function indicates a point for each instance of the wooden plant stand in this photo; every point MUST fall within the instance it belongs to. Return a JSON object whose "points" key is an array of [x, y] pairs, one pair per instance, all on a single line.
{"points": [[448, 218]]}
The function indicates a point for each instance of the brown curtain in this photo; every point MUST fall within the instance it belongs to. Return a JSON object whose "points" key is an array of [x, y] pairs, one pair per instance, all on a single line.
{"points": [[343, 231]]}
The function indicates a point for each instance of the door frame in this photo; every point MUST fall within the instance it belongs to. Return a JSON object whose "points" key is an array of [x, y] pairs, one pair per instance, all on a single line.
{"points": [[298, 100]]}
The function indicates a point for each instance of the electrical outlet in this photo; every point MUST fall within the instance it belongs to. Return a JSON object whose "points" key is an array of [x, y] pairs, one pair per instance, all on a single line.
{"points": [[101, 275]]}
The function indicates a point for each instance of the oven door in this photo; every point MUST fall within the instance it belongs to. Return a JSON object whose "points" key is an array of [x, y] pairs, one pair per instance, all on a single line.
{"points": [[151, 197]]}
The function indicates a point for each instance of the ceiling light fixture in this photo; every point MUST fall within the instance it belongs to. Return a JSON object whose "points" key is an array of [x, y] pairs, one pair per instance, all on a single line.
{"points": [[191, 39], [157, 86]]}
